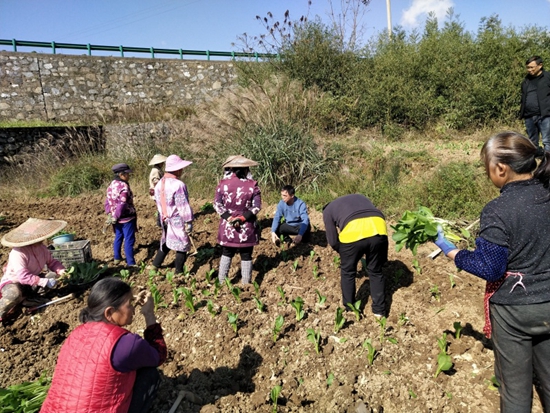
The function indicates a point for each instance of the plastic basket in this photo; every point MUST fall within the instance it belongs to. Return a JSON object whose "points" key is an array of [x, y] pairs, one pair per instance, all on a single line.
{"points": [[72, 252]]}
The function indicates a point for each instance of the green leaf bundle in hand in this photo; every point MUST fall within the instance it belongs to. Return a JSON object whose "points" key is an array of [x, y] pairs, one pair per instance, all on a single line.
{"points": [[417, 227]]}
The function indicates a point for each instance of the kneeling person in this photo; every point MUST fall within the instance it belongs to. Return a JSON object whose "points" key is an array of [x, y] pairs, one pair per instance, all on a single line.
{"points": [[296, 219]]}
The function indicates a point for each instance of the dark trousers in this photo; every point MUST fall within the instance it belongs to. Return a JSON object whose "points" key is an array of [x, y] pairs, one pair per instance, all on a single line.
{"points": [[181, 257], [287, 229], [535, 125], [145, 390], [521, 339], [245, 252], [375, 250], [125, 233]]}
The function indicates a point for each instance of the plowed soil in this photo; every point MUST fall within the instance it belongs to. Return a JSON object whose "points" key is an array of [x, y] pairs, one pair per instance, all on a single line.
{"points": [[224, 371]]}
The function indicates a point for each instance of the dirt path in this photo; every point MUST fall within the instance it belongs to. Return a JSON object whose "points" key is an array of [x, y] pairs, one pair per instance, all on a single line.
{"points": [[235, 372]]}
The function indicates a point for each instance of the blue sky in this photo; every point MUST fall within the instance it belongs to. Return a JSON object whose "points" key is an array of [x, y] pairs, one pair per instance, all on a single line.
{"points": [[215, 24]]}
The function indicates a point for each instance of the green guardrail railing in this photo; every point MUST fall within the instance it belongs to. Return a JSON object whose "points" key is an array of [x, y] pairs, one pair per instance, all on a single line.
{"points": [[152, 51]]}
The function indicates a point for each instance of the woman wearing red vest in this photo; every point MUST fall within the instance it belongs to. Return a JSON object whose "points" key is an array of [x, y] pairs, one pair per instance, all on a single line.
{"points": [[102, 367]]}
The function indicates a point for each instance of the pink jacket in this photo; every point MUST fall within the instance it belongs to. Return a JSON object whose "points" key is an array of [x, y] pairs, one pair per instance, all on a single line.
{"points": [[25, 263]]}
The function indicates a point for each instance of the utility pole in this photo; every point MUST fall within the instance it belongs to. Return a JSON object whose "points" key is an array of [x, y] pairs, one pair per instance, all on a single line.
{"points": [[388, 8]]}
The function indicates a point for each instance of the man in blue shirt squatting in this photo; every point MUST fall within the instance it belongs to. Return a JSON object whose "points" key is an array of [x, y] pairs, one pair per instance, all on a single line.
{"points": [[293, 212]]}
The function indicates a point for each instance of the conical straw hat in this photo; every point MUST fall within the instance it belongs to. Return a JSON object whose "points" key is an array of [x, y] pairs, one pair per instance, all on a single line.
{"points": [[32, 231], [158, 158], [238, 161]]}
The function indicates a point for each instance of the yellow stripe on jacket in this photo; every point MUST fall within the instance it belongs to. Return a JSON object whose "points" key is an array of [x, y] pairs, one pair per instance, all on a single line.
{"points": [[362, 228]]}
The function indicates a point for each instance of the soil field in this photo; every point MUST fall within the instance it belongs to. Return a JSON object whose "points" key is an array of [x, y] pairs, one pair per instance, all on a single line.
{"points": [[224, 371]]}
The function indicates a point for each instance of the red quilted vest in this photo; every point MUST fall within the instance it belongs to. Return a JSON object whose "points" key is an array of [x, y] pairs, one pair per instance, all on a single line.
{"points": [[84, 380]]}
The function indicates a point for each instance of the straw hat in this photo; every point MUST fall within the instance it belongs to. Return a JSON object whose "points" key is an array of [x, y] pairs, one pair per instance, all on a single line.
{"points": [[158, 158], [238, 161], [175, 163], [32, 231]]}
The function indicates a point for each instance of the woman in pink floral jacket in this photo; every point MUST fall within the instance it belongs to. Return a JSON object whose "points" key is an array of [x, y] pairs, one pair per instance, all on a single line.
{"points": [[238, 201]]}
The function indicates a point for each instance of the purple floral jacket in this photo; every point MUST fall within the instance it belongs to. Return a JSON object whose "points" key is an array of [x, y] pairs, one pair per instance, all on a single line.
{"points": [[120, 202], [237, 197]]}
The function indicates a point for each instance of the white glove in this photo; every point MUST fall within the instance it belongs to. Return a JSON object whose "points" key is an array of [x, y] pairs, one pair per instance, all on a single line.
{"points": [[188, 227], [47, 282]]}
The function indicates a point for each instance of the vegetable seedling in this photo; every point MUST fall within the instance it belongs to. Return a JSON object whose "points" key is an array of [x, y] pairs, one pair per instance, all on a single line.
{"points": [[330, 379], [339, 320], [282, 294], [315, 271], [371, 351], [210, 308], [452, 280], [444, 362], [209, 274], [217, 287], [194, 283], [311, 255], [336, 261], [403, 319], [298, 305], [435, 293], [158, 299], [256, 289], [315, 338], [189, 299], [84, 272], [235, 291], [382, 323], [170, 276], [279, 321], [124, 275], [259, 305], [295, 265], [176, 294], [356, 308], [233, 319], [274, 395], [458, 329], [321, 299]]}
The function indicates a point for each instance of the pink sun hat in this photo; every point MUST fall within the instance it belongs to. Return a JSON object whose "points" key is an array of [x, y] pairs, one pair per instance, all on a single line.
{"points": [[175, 163]]}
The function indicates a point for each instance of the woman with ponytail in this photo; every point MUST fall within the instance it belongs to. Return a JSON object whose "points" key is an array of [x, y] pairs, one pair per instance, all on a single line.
{"points": [[102, 367], [513, 255]]}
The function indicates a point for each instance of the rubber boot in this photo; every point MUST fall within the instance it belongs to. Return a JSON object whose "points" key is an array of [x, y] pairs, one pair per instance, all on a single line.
{"points": [[225, 264], [246, 272]]}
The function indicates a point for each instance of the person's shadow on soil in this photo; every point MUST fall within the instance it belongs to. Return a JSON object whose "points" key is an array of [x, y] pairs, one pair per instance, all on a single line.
{"points": [[468, 330], [205, 387], [396, 274]]}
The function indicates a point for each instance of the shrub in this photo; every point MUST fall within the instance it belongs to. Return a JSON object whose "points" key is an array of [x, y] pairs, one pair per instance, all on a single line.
{"points": [[75, 179]]}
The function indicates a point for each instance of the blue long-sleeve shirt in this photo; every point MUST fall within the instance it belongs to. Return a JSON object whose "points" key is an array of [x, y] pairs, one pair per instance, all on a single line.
{"points": [[295, 214]]}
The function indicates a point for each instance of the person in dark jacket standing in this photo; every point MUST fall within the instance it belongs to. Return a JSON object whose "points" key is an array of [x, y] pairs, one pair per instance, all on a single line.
{"points": [[513, 255], [362, 232], [535, 102]]}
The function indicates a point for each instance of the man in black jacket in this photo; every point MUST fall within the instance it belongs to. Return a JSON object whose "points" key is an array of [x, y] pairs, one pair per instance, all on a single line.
{"points": [[355, 228], [535, 102]]}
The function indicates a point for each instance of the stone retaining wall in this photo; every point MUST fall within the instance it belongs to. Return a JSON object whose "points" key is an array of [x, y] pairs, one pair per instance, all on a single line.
{"points": [[89, 89]]}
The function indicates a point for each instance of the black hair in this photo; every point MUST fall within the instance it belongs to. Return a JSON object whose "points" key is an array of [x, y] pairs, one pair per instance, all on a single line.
{"points": [[519, 153], [536, 59], [108, 292], [289, 189], [241, 172]]}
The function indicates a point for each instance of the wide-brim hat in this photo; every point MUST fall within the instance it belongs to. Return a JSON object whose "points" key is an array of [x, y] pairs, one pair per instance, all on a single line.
{"points": [[31, 231], [175, 163], [158, 158], [238, 161]]}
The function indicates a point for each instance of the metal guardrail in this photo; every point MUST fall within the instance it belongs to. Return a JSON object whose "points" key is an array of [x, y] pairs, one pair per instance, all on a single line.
{"points": [[122, 49]]}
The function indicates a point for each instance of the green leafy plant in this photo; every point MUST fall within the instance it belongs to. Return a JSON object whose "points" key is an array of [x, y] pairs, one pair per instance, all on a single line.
{"points": [[170, 276], [295, 265], [259, 305], [330, 379], [235, 291], [444, 361], [176, 294], [83, 273], [382, 323], [403, 319], [208, 275], [371, 351], [321, 299], [233, 319], [158, 299], [207, 208], [256, 289], [189, 299], [356, 308], [210, 308], [339, 320], [274, 395], [458, 329], [26, 397], [492, 383], [417, 227], [281, 294], [194, 283], [124, 275], [434, 290], [315, 271], [311, 255], [315, 338], [279, 321], [217, 287], [298, 305], [336, 261]]}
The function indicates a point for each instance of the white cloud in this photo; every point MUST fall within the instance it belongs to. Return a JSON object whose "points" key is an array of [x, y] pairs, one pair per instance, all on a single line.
{"points": [[410, 17]]}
